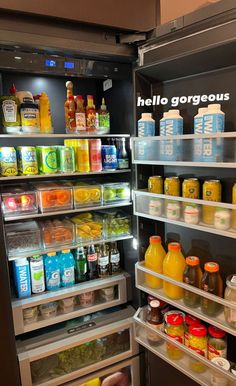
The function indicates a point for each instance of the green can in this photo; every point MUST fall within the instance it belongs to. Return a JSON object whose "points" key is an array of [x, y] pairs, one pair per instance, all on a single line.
{"points": [[47, 159], [66, 159], [8, 163], [27, 160]]}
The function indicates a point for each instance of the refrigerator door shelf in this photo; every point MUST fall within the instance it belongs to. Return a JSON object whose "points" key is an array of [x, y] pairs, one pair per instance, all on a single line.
{"points": [[61, 356], [186, 360], [218, 320], [131, 366], [72, 302]]}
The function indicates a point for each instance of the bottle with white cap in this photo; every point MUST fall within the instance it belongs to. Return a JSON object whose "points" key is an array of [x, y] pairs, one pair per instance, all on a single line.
{"points": [[146, 125], [172, 149], [213, 122], [198, 129]]}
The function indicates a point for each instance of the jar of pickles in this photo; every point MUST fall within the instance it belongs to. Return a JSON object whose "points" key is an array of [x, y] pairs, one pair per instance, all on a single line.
{"points": [[189, 321], [174, 328], [217, 343], [198, 343]]}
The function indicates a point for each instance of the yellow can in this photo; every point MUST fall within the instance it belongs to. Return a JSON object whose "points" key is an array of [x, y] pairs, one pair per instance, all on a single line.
{"points": [[155, 184], [191, 188], [234, 211], [211, 192], [172, 186], [82, 155], [8, 162]]}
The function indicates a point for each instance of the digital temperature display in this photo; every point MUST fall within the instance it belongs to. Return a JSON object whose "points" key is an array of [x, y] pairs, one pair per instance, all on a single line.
{"points": [[50, 63], [69, 65]]}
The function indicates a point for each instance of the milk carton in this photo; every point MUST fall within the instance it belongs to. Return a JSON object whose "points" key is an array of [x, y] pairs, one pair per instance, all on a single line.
{"points": [[172, 124], [198, 129], [213, 122]]}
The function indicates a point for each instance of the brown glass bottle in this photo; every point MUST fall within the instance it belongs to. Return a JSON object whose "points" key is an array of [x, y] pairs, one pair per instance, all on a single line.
{"points": [[155, 320], [212, 283], [192, 276]]}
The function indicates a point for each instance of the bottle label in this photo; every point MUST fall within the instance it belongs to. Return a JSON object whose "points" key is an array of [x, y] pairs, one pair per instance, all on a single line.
{"points": [[9, 108], [198, 129], [103, 261], [104, 121], [80, 121], [53, 279], [198, 351], [91, 121], [123, 163], [92, 257], [212, 148], [151, 335], [146, 128], [171, 150], [68, 276], [37, 277], [23, 280], [212, 352], [115, 258]]}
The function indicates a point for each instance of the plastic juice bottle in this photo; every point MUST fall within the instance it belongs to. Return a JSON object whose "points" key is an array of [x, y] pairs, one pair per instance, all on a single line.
{"points": [[80, 117], [154, 257], [198, 129], [37, 274], [103, 118], [67, 268], [52, 271], [212, 283], [82, 156], [22, 277], [69, 92], [234, 211], [90, 114], [173, 266], [45, 114]]}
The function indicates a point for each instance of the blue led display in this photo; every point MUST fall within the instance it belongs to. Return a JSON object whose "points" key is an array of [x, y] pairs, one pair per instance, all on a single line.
{"points": [[69, 65], [50, 63]]}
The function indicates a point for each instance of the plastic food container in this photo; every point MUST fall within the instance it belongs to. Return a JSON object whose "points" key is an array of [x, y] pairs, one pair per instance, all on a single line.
{"points": [[114, 192], [23, 237], [89, 227], [48, 310], [18, 200], [87, 299], [87, 195], [30, 315], [57, 232], [107, 294], [116, 223], [67, 305], [54, 196]]}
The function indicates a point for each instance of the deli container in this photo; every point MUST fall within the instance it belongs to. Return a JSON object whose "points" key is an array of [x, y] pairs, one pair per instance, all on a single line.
{"points": [[115, 192]]}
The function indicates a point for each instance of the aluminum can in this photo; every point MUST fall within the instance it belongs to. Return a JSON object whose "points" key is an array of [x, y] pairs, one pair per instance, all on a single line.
{"points": [[155, 184], [172, 186], [211, 192], [109, 157], [47, 159], [27, 160], [95, 152], [191, 188], [8, 163], [66, 159], [82, 155]]}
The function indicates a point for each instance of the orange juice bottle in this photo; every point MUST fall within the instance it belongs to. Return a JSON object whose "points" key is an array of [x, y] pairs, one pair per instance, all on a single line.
{"points": [[82, 155], [173, 266], [154, 257]]}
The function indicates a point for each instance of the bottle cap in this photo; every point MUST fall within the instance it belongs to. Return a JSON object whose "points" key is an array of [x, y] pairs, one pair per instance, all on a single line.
{"points": [[154, 239], [192, 260], [13, 89], [165, 114], [192, 320], [71, 98], [202, 110], [214, 106], [216, 332], [221, 362], [211, 267], [146, 115], [199, 331], [174, 247], [175, 319], [79, 97], [154, 303], [65, 251], [173, 111], [51, 254]]}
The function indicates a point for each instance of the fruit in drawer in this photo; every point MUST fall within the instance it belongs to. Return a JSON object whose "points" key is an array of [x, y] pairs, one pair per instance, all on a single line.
{"points": [[57, 232], [85, 195], [58, 197], [86, 227], [109, 194]]}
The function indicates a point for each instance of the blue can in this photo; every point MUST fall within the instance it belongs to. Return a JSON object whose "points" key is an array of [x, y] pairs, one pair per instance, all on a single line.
{"points": [[109, 157]]}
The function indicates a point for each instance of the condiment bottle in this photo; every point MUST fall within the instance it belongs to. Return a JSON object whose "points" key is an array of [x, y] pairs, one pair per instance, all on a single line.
{"points": [[198, 343], [212, 283], [189, 321], [192, 276], [173, 266], [80, 117], [155, 320], [230, 295], [69, 92], [71, 115], [217, 344], [90, 114], [103, 118], [45, 114], [154, 257], [10, 111]]}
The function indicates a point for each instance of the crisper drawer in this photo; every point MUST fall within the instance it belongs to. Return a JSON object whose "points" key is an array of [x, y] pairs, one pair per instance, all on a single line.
{"points": [[184, 359], [125, 371], [56, 358], [53, 307]]}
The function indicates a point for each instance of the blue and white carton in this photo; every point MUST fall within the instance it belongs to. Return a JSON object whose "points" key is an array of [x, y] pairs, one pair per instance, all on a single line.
{"points": [[213, 122], [146, 128], [199, 129], [171, 124], [22, 277]]}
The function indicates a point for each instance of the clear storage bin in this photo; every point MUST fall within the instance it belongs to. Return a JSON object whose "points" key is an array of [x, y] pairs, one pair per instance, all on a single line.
{"points": [[114, 192], [116, 223], [87, 195], [54, 196], [23, 237], [18, 200], [57, 232], [89, 227]]}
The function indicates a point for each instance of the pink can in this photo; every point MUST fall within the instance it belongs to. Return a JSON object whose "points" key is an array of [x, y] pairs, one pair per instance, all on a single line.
{"points": [[95, 151]]}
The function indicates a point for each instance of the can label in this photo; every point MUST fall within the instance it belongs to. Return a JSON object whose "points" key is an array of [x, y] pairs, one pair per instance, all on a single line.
{"points": [[172, 186], [8, 163], [27, 160], [191, 188], [66, 159], [95, 147], [109, 157], [155, 184]]}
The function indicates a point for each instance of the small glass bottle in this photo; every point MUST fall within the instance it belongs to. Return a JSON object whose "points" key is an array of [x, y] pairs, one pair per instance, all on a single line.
{"points": [[155, 320], [217, 344], [230, 295], [192, 276], [80, 265], [122, 155], [212, 283], [92, 260], [90, 114], [103, 262], [114, 259]]}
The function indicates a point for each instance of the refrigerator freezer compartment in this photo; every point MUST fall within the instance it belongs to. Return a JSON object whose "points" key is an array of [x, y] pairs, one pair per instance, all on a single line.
{"points": [[57, 233], [54, 196], [19, 200], [186, 360], [78, 350], [216, 150], [89, 227], [129, 369], [87, 195], [81, 299], [207, 216], [207, 301], [23, 237], [116, 192]]}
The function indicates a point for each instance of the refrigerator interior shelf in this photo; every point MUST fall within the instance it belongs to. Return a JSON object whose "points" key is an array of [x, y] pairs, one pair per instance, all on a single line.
{"points": [[226, 165], [118, 282], [140, 320], [62, 175], [12, 257], [218, 321], [70, 211], [65, 135], [230, 134]]}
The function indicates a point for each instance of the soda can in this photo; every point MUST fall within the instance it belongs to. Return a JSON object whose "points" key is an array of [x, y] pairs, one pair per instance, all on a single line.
{"points": [[155, 184], [8, 162], [109, 157], [82, 155], [211, 192], [191, 188], [172, 186], [65, 159], [47, 159], [95, 152], [27, 160]]}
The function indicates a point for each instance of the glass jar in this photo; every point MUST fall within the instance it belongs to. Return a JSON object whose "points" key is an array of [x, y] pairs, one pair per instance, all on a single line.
{"points": [[192, 276], [217, 343], [191, 214], [212, 283], [230, 294], [173, 210], [222, 219], [189, 321], [174, 328], [218, 379], [198, 343], [155, 207]]}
